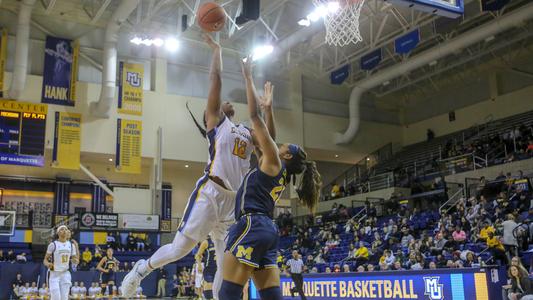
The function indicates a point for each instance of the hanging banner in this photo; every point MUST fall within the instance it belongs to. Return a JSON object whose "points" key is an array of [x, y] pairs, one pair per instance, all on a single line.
{"points": [[67, 141], [166, 208], [371, 60], [493, 5], [407, 43], [139, 222], [3, 57], [130, 89], [60, 71], [338, 76], [128, 150], [22, 133]]}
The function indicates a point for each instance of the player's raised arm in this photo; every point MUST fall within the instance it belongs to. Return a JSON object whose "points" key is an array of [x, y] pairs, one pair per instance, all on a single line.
{"points": [[265, 102], [270, 162], [213, 111]]}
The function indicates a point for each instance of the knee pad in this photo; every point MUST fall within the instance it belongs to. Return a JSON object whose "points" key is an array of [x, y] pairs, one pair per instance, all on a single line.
{"points": [[272, 293], [230, 291], [208, 294]]}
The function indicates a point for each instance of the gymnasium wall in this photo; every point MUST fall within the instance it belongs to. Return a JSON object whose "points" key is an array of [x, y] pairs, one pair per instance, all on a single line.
{"points": [[491, 109]]}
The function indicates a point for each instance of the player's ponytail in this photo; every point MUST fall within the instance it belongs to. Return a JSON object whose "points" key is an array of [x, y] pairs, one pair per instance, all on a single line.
{"points": [[311, 182], [200, 128], [310, 185]]}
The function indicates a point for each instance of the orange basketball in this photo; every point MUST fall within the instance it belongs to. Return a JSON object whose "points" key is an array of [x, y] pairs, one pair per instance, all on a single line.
{"points": [[211, 17]]}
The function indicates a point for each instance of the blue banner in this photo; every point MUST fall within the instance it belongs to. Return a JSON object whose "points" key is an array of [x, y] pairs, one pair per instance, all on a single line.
{"points": [[493, 5], [371, 60], [21, 160], [60, 71], [166, 205], [338, 76], [440, 284], [407, 43]]}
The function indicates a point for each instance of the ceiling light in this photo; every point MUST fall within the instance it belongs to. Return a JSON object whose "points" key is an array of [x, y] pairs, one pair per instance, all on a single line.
{"points": [[368, 159], [110, 159], [490, 38], [304, 22], [158, 42], [172, 44], [262, 51], [431, 64], [186, 166], [336, 156], [136, 40], [386, 83]]}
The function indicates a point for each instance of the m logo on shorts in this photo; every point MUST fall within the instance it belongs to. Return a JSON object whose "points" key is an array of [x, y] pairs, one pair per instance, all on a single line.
{"points": [[244, 252], [433, 289]]}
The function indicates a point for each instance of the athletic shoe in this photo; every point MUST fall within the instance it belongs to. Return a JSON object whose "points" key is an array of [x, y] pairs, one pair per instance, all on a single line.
{"points": [[132, 280]]}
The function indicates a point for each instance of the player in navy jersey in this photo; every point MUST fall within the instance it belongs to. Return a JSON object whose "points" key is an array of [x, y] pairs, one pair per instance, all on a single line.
{"points": [[206, 254], [252, 242]]}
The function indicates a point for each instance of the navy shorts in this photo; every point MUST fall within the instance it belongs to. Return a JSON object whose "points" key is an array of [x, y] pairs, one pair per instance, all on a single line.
{"points": [[107, 277], [209, 274], [253, 240]]}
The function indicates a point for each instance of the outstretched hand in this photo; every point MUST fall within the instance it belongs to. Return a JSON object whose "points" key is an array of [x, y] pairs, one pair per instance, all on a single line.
{"points": [[265, 101], [210, 41], [247, 67]]}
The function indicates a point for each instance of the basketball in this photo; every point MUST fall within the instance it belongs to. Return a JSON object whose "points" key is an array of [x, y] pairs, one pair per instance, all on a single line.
{"points": [[211, 17]]}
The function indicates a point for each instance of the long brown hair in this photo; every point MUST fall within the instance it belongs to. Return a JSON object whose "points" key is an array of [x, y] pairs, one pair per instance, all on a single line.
{"points": [[311, 183]]}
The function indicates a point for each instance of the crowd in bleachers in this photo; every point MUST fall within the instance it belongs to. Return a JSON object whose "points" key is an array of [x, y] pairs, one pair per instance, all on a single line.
{"points": [[482, 229]]}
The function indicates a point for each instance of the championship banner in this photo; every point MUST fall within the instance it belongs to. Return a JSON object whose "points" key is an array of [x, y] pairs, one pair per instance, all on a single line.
{"points": [[493, 5], [130, 88], [407, 42], [128, 151], [67, 141], [139, 222], [60, 71], [3, 57], [22, 133], [339, 76], [371, 60], [440, 284]]}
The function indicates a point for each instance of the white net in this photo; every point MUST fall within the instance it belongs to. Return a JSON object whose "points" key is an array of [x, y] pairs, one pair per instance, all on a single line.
{"points": [[341, 18]]}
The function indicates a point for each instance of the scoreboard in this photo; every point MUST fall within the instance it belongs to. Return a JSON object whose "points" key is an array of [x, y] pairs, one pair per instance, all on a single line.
{"points": [[22, 133], [447, 8]]}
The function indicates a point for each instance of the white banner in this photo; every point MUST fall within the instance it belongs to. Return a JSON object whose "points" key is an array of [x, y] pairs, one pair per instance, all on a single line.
{"points": [[138, 222]]}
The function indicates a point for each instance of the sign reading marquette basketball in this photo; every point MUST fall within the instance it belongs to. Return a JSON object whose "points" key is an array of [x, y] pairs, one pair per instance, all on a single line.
{"points": [[130, 96], [129, 145]]}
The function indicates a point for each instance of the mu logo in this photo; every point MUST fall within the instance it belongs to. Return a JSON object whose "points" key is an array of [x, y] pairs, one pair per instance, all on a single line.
{"points": [[133, 78], [433, 289]]}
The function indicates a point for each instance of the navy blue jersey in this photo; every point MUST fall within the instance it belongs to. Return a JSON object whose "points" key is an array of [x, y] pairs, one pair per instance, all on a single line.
{"points": [[259, 193], [209, 255]]}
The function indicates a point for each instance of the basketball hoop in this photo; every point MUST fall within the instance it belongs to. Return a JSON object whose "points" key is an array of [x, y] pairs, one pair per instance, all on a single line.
{"points": [[341, 18]]}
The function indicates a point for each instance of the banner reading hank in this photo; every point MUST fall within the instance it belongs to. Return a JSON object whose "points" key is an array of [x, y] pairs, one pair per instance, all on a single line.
{"points": [[129, 142], [130, 89], [3, 54], [67, 141], [60, 71]]}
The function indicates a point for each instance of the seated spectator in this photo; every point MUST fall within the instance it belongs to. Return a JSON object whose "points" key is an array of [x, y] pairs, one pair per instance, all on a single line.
{"points": [[520, 284], [94, 291], [406, 237], [130, 242], [25, 291], [75, 291], [360, 269], [346, 268], [496, 247], [515, 261], [397, 266], [82, 290], [44, 292], [21, 258], [328, 270], [459, 236], [332, 242], [2, 257], [336, 268], [314, 270], [361, 255], [11, 256], [484, 232], [440, 243], [126, 267], [470, 259]]}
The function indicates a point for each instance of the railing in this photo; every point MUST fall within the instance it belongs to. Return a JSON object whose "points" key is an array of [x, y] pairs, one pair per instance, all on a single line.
{"points": [[375, 183], [452, 201]]}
